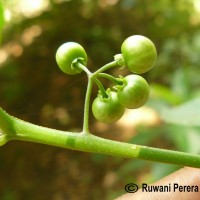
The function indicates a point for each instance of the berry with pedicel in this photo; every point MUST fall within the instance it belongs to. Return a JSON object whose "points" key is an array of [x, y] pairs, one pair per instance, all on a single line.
{"points": [[67, 56], [107, 109], [139, 53], [133, 92]]}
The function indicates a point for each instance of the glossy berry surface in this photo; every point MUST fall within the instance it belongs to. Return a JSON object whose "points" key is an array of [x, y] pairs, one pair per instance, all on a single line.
{"points": [[139, 53], [107, 109], [67, 56], [134, 91]]}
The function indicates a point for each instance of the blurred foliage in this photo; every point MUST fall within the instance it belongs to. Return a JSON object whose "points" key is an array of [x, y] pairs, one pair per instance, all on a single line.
{"points": [[34, 89], [1, 19]]}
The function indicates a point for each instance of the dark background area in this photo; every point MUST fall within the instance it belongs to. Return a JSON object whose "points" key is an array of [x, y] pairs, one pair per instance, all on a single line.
{"points": [[33, 88]]}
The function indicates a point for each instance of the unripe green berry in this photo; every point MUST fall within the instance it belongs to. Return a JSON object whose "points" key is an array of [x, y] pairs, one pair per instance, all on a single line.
{"points": [[67, 56], [107, 109], [139, 53], [134, 92]]}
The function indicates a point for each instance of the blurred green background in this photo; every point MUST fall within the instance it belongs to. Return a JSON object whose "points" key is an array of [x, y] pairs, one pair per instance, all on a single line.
{"points": [[32, 88]]}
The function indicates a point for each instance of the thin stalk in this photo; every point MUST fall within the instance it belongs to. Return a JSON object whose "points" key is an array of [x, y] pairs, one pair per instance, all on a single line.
{"points": [[111, 78], [100, 86], [105, 67], [84, 68], [87, 106], [16, 129]]}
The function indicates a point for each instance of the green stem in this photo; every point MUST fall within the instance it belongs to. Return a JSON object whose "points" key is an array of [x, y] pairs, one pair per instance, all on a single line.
{"points": [[87, 106], [16, 129], [84, 68], [111, 78], [92, 77], [105, 67], [100, 86]]}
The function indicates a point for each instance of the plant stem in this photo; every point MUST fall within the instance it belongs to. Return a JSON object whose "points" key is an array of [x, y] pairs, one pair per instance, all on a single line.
{"points": [[87, 106], [100, 86], [16, 129], [91, 78], [84, 68], [105, 67], [111, 78]]}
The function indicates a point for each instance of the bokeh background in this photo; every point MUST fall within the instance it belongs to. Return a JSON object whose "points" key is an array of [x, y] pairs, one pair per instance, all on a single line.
{"points": [[33, 88]]}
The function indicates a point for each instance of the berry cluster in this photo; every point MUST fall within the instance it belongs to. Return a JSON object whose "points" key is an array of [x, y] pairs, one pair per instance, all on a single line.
{"points": [[138, 54]]}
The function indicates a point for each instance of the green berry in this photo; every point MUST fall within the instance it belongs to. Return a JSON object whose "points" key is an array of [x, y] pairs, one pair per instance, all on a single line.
{"points": [[134, 92], [107, 109], [139, 54], [67, 56]]}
